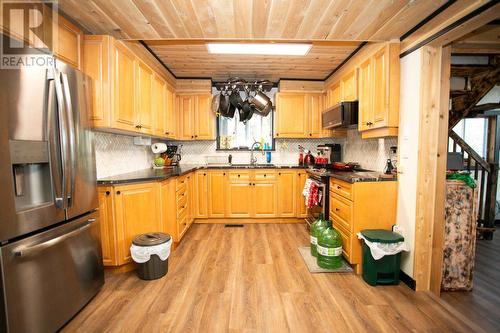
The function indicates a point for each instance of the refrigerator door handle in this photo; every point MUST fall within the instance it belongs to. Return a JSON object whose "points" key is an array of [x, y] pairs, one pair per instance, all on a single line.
{"points": [[72, 139], [54, 146], [58, 162], [33, 249]]}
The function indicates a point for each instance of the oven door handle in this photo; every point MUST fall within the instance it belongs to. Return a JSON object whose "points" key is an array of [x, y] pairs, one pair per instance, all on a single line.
{"points": [[33, 249]]}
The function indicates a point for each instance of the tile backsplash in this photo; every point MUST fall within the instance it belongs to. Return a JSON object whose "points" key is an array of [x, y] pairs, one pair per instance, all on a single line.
{"points": [[117, 154]]}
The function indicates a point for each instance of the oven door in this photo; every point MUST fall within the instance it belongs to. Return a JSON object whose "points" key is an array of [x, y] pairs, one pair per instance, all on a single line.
{"points": [[321, 208], [49, 277]]}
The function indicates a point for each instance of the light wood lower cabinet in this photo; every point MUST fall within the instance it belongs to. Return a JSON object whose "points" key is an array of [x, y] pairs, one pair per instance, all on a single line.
{"points": [[136, 211], [108, 227], [265, 199], [216, 193], [359, 206], [200, 198], [287, 195]]}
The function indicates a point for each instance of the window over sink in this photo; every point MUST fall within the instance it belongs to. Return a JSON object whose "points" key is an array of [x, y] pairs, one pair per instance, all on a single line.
{"points": [[232, 134]]}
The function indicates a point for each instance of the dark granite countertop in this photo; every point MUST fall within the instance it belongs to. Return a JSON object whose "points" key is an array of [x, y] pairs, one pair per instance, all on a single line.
{"points": [[354, 176], [146, 175]]}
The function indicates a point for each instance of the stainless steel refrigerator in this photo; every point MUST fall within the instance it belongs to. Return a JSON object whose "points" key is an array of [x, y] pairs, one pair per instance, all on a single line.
{"points": [[50, 253]]}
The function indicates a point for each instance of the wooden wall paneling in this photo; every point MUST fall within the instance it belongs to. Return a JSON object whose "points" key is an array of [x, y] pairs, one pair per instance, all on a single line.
{"points": [[433, 144]]}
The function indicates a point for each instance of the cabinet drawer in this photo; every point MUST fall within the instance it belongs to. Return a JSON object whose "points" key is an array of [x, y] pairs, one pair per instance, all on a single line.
{"points": [[181, 183], [243, 176], [341, 210], [182, 206], [341, 188], [182, 193], [346, 239], [265, 175], [182, 225]]}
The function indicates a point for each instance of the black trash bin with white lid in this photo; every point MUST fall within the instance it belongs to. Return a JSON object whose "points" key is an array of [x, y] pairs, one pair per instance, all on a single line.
{"points": [[151, 251]]}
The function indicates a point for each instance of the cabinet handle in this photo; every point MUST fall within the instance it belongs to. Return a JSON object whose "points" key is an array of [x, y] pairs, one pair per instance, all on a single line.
{"points": [[253, 184], [107, 192], [224, 174], [167, 133], [336, 209], [204, 174], [279, 173], [369, 123], [265, 175], [338, 187], [310, 134], [118, 192], [249, 184], [196, 136], [277, 134], [238, 175], [192, 136], [138, 126]]}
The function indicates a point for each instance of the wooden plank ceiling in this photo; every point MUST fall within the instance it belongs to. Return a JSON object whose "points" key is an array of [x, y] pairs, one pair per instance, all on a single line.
{"points": [[290, 20]]}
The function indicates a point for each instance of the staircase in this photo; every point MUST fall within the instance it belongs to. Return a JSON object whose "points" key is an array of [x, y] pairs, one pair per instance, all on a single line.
{"points": [[479, 80]]}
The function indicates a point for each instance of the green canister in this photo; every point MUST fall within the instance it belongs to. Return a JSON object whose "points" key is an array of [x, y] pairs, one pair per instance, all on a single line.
{"points": [[329, 248], [317, 228]]}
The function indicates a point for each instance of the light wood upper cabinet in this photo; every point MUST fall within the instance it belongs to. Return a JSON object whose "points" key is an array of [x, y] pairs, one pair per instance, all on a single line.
{"points": [[287, 187], [291, 115], [204, 120], [349, 87], [196, 121], [299, 116], [137, 209], [379, 93], [365, 96], [170, 122], [333, 95], [68, 46], [128, 94], [159, 105], [216, 193], [124, 110], [96, 64], [144, 112]]}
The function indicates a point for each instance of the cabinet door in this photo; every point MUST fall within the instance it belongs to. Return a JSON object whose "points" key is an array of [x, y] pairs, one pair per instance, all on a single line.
{"points": [[144, 98], [380, 70], [286, 193], [169, 208], [137, 212], [237, 197], [333, 94], [201, 195], [216, 193], [265, 199], [349, 87], [301, 204], [291, 115], [365, 96], [205, 118], [68, 44], [170, 121], [159, 105], [186, 116], [314, 109], [96, 65], [124, 116], [107, 223]]}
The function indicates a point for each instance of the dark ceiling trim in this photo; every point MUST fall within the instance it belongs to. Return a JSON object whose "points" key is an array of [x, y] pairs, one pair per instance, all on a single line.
{"points": [[157, 58], [427, 19], [345, 60], [298, 79], [450, 27]]}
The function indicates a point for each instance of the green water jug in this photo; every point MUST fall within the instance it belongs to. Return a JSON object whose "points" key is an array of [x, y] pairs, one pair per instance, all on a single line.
{"points": [[316, 229], [329, 249]]}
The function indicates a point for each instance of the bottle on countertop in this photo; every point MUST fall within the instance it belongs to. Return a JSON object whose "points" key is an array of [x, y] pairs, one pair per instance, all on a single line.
{"points": [[309, 159], [388, 167], [301, 155]]}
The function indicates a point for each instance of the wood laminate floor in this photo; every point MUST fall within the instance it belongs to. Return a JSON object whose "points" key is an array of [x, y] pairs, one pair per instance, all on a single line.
{"points": [[482, 304], [253, 279]]}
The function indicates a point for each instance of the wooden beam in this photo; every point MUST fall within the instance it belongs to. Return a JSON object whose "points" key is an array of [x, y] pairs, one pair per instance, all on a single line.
{"points": [[481, 84], [469, 70], [433, 142]]}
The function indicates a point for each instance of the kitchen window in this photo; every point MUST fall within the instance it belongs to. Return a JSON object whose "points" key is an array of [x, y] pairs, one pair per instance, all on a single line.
{"points": [[232, 134]]}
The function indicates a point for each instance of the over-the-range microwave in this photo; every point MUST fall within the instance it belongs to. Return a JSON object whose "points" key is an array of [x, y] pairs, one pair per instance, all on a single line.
{"points": [[341, 115]]}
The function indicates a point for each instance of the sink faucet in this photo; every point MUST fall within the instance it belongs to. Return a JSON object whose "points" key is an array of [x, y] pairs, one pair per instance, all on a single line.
{"points": [[253, 159]]}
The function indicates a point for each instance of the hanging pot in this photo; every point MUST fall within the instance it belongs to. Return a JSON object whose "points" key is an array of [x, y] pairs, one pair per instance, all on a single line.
{"points": [[236, 100], [224, 106], [216, 104], [262, 103]]}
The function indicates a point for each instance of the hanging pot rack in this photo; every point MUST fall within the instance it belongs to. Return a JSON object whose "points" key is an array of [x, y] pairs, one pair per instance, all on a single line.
{"points": [[243, 85]]}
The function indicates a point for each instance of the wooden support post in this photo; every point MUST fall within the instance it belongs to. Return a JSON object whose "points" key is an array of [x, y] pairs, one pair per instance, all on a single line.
{"points": [[431, 177], [491, 183]]}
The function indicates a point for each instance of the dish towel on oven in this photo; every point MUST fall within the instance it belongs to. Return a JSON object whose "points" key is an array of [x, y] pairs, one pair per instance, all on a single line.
{"points": [[313, 198]]}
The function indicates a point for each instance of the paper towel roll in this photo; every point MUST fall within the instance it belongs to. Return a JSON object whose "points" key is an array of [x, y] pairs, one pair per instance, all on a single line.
{"points": [[159, 148]]}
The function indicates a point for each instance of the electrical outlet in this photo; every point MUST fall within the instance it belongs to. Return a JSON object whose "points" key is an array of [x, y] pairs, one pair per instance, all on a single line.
{"points": [[398, 229]]}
